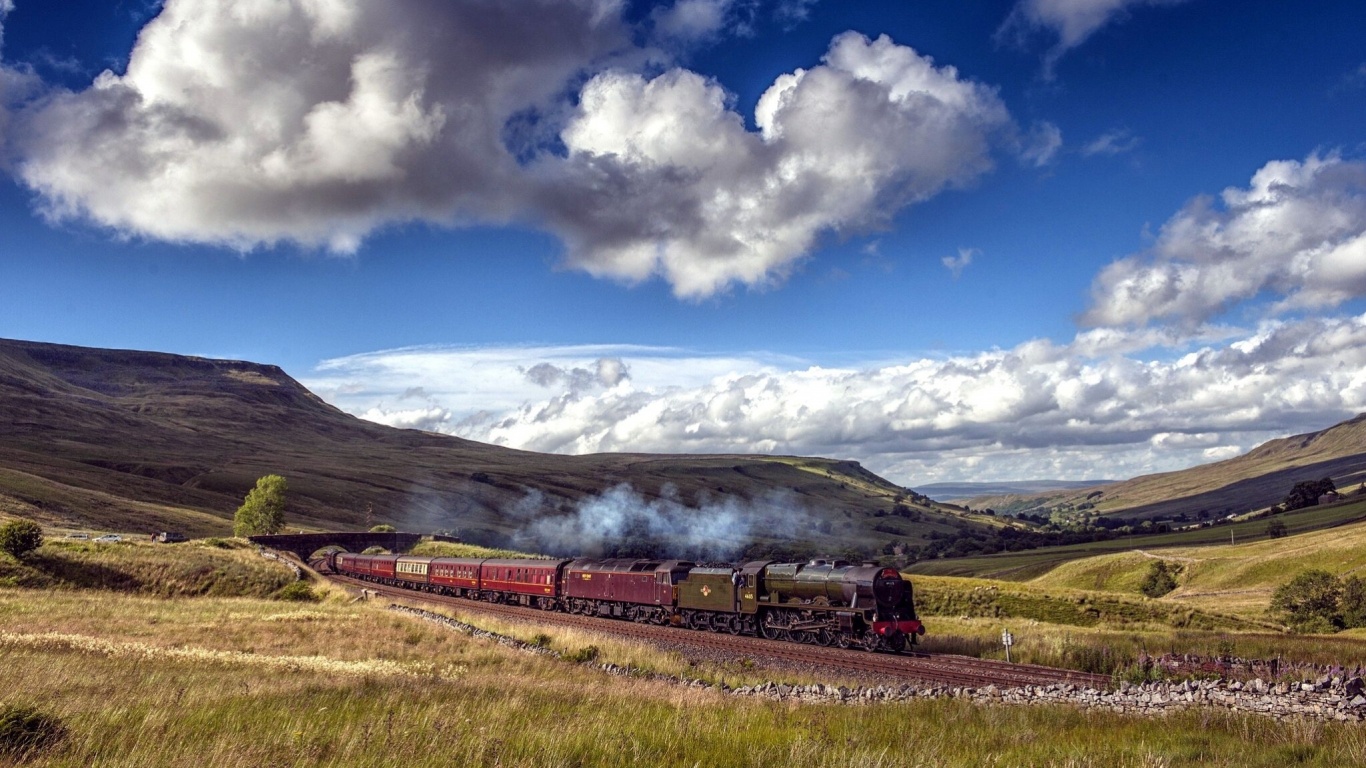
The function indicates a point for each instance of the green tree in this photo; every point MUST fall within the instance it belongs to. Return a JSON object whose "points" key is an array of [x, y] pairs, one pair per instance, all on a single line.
{"points": [[263, 511], [1353, 602], [1310, 601], [20, 537], [1160, 579], [1275, 529], [382, 528], [1307, 493]]}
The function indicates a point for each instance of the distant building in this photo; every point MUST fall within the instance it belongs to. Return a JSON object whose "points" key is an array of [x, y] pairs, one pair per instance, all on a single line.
{"points": [[1329, 498]]}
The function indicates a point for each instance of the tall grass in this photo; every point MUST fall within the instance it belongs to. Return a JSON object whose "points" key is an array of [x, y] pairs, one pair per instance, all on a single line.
{"points": [[119, 712]]}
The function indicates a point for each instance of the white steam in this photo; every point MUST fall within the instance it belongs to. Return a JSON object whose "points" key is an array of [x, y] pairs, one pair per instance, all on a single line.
{"points": [[622, 520]]}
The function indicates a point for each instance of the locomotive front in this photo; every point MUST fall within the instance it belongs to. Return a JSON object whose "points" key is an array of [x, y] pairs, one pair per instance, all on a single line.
{"points": [[872, 604], [894, 619]]}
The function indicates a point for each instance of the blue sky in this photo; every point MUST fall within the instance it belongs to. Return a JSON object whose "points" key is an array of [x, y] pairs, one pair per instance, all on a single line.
{"points": [[985, 241]]}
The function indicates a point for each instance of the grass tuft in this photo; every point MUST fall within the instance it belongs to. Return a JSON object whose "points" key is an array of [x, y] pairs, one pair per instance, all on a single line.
{"points": [[26, 731]]}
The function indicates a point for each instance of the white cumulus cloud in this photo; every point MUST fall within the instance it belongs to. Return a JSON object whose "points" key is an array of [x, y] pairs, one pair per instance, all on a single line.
{"points": [[663, 177], [1296, 233], [313, 121], [317, 122]]}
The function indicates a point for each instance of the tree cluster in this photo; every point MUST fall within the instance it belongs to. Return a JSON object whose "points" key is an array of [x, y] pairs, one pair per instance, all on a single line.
{"points": [[1318, 601], [969, 542], [1307, 493]]}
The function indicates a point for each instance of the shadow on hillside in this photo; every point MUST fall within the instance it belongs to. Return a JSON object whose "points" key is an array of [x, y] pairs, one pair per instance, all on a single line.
{"points": [[1252, 493], [66, 571]]}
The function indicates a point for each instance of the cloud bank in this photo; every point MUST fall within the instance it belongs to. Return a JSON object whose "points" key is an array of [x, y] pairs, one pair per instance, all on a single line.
{"points": [[317, 122], [1040, 409]]}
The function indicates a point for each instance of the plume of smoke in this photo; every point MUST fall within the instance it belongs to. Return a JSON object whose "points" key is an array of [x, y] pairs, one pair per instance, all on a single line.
{"points": [[624, 522]]}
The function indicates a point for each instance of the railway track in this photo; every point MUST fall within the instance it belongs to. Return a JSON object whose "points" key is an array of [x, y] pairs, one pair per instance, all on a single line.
{"points": [[941, 669]]}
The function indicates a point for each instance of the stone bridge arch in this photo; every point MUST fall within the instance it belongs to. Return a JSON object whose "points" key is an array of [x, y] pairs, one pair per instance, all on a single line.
{"points": [[305, 544]]}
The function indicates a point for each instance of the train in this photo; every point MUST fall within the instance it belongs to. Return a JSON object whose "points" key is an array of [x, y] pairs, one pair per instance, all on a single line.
{"points": [[821, 602]]}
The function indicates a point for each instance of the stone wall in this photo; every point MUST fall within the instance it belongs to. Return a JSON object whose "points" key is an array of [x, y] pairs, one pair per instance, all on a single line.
{"points": [[1328, 698]]}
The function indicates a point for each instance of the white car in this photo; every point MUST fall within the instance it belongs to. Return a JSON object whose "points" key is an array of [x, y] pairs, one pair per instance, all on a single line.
{"points": [[110, 537]]}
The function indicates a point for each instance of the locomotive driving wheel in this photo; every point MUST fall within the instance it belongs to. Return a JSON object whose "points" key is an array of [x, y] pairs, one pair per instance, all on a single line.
{"points": [[768, 631]]}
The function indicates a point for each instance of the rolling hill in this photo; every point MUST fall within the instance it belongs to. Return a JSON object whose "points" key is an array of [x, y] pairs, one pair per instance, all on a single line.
{"points": [[143, 441], [1256, 480]]}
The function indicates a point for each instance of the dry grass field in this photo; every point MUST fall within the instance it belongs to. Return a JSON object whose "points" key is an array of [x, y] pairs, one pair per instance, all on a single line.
{"points": [[139, 679]]}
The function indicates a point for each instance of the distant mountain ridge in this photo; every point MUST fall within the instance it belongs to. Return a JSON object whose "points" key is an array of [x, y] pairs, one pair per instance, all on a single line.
{"points": [[132, 440], [955, 492], [1257, 479]]}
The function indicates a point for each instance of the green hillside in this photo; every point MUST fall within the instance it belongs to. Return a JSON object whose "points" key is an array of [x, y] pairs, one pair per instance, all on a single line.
{"points": [[1256, 480]]}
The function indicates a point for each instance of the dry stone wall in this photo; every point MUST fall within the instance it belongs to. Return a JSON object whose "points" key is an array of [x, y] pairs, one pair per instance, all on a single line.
{"points": [[1334, 698]]}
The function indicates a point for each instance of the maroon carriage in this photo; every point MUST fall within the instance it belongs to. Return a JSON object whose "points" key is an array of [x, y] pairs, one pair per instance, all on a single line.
{"points": [[526, 582], [457, 576], [345, 562], [640, 590], [372, 567], [382, 567]]}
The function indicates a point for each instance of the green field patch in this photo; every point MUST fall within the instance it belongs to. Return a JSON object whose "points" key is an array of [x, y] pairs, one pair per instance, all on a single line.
{"points": [[1031, 564], [1004, 600]]}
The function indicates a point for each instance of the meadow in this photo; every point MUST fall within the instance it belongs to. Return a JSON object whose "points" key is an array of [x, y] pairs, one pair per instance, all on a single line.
{"points": [[140, 677]]}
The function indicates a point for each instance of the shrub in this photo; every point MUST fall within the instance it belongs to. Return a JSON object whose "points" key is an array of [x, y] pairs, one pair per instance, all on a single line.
{"points": [[585, 654], [298, 592], [1275, 529], [383, 528], [1160, 579], [20, 537], [25, 731], [1310, 601]]}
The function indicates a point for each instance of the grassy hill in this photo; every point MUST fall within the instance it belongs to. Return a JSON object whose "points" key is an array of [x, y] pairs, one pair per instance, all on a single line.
{"points": [[144, 441], [1230, 577], [1027, 565], [1258, 479]]}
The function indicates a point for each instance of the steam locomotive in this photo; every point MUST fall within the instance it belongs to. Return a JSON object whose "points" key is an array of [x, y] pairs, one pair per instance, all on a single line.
{"points": [[822, 602]]}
